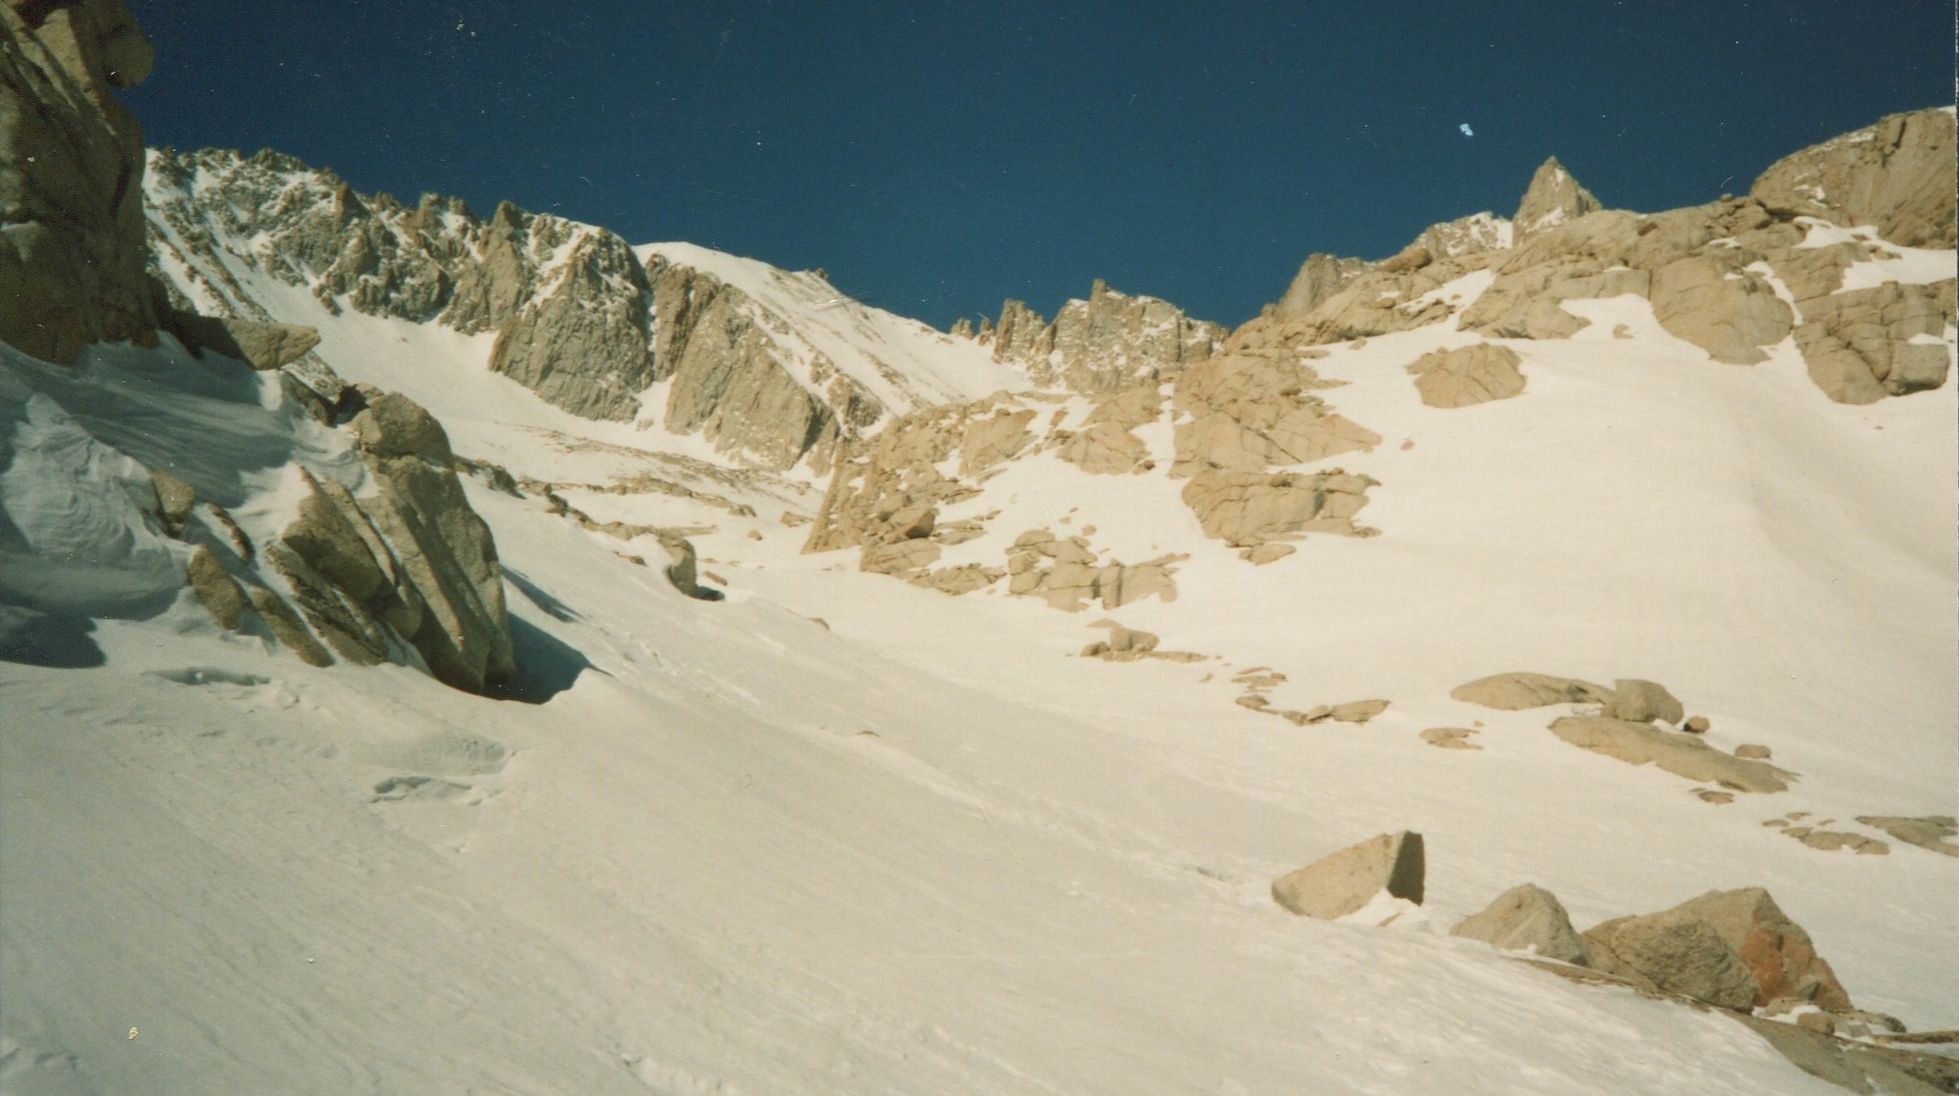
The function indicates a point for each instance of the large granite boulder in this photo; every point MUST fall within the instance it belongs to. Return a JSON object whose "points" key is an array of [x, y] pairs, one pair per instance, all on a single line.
{"points": [[1736, 949]]}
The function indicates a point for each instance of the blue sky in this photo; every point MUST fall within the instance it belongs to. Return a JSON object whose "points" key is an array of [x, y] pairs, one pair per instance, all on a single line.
{"points": [[938, 157]]}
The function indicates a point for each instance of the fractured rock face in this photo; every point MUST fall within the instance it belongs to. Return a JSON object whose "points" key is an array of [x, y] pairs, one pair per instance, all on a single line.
{"points": [[1866, 344], [1896, 174], [1345, 881], [71, 164], [1777, 955], [1527, 918], [1470, 375], [1066, 574]]}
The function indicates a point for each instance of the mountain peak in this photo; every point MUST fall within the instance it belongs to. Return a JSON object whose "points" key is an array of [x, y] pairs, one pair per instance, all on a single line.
{"points": [[1553, 197]]}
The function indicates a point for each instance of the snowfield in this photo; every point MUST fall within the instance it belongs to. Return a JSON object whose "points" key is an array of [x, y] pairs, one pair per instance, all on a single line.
{"points": [[839, 834]]}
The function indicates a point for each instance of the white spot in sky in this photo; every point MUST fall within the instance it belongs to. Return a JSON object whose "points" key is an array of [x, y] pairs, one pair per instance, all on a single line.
{"points": [[1466, 131]]}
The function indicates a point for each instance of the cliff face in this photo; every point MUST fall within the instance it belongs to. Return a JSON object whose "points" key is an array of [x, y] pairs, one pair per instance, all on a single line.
{"points": [[71, 166], [771, 367]]}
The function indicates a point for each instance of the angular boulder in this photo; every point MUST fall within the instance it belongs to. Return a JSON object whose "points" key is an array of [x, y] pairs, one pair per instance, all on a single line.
{"points": [[1676, 954], [1779, 955], [1527, 918], [1337, 885]]}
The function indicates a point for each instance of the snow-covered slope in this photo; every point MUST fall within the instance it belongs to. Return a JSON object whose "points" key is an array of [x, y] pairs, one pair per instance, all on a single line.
{"points": [[831, 832]]}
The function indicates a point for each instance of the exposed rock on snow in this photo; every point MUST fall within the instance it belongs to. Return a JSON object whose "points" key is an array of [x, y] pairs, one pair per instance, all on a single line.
{"points": [[1896, 175], [1637, 701], [1450, 738], [1933, 832], [1473, 374], [1736, 949], [410, 564], [1066, 573], [1336, 885], [1519, 690], [1247, 509], [1250, 411], [1527, 918], [71, 162], [1680, 754], [1675, 954]]}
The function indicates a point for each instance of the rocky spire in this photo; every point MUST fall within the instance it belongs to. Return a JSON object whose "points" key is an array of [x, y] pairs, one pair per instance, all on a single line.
{"points": [[1554, 197]]}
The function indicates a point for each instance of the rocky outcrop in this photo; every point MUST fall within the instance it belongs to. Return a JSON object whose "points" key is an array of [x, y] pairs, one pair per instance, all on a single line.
{"points": [[1520, 690], [1477, 373], [71, 165], [1896, 175], [407, 567], [1250, 411], [1864, 345], [1527, 918], [1109, 341], [1680, 754], [1067, 573], [1248, 509], [1735, 949], [1336, 885], [1552, 199]]}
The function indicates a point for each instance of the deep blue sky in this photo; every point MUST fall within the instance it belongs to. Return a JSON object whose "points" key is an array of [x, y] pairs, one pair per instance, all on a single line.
{"points": [[938, 157]]}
